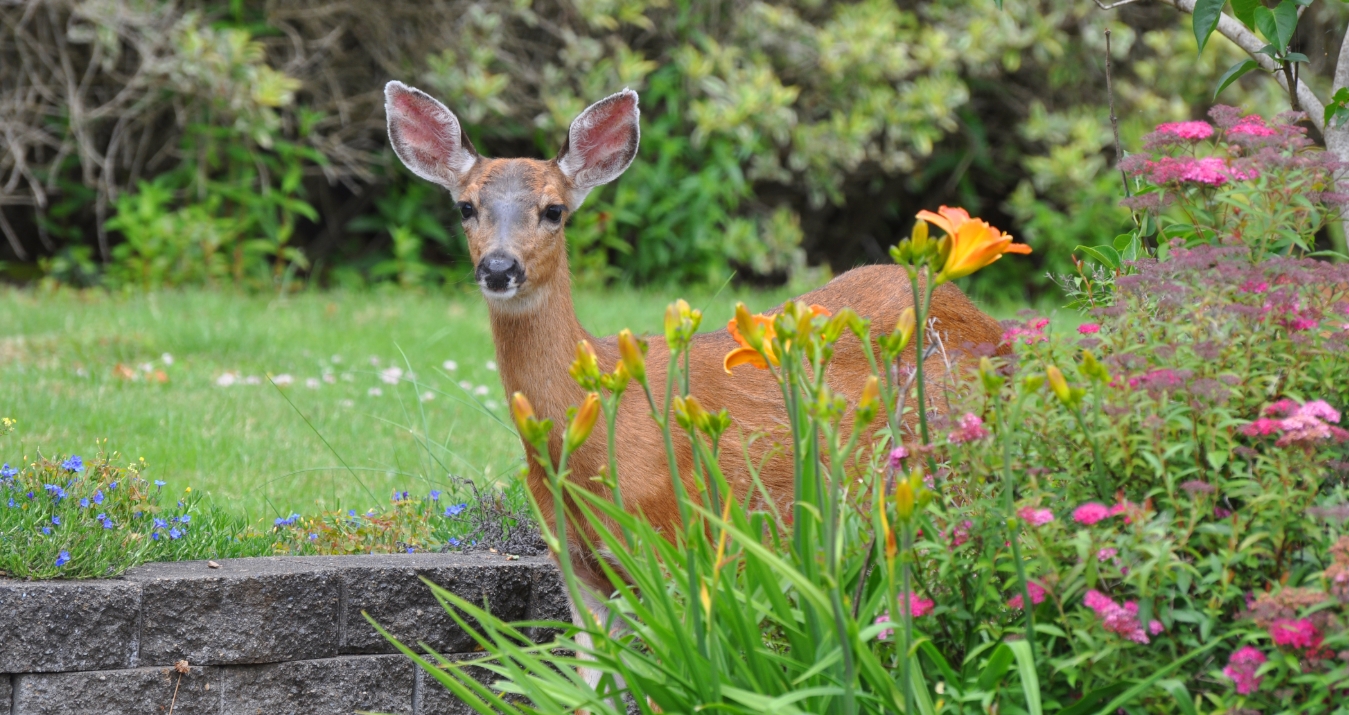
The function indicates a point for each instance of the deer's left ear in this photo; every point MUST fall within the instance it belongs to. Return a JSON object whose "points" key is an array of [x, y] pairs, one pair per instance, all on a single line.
{"points": [[601, 143]]}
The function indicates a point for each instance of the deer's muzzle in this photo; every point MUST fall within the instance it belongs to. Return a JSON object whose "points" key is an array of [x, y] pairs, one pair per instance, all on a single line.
{"points": [[500, 275]]}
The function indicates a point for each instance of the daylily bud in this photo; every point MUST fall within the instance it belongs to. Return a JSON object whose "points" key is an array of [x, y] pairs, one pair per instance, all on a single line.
{"points": [[532, 429], [632, 351], [943, 254], [988, 375], [904, 500], [582, 422], [749, 330], [617, 381], [717, 423], [842, 320], [521, 409], [1033, 382], [697, 415], [902, 253], [891, 548], [905, 327], [919, 237], [869, 401], [681, 323], [585, 369], [1093, 369], [680, 407], [1059, 385]]}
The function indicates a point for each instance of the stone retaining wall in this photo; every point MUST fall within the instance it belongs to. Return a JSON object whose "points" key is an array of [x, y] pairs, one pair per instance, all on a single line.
{"points": [[272, 635]]}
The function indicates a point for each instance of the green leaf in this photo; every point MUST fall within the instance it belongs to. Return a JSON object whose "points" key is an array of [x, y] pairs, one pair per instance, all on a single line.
{"points": [[1245, 11], [1104, 255], [998, 664], [1234, 73], [1177, 689], [1296, 57], [1030, 681], [1122, 241], [1143, 685], [1206, 14], [1285, 21], [1089, 702], [1266, 24]]}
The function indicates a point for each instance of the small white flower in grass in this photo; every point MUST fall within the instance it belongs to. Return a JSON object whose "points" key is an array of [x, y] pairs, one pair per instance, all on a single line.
{"points": [[374, 360], [312, 383], [147, 367], [374, 392], [252, 380], [465, 385], [348, 377], [166, 358], [283, 379], [346, 403], [226, 379], [390, 376], [81, 372], [450, 365], [489, 404], [428, 396], [336, 359], [491, 365], [480, 390], [329, 378]]}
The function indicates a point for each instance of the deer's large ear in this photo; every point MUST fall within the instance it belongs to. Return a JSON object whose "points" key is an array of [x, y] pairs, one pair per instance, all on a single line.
{"points": [[601, 143], [427, 136]]}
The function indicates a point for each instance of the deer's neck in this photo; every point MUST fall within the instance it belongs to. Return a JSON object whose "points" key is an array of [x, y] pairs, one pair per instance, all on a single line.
{"points": [[535, 348]]}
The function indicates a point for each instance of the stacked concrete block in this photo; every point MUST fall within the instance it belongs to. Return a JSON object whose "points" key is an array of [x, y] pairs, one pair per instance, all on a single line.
{"points": [[269, 635]]}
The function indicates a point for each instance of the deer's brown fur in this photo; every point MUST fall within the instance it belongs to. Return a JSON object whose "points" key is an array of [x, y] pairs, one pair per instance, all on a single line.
{"points": [[535, 329]]}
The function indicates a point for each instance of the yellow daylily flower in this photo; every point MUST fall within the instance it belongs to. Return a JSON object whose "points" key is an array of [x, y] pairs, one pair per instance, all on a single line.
{"points": [[973, 242], [762, 327]]}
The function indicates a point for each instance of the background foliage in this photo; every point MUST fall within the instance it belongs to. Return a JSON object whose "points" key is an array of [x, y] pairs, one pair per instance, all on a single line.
{"points": [[242, 142]]}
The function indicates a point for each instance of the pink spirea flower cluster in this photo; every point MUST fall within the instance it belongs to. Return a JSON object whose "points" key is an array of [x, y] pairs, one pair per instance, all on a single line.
{"points": [[1122, 620], [969, 428], [1251, 125], [1035, 517], [897, 456], [1106, 554], [1295, 633], [919, 607], [1037, 596], [1303, 424], [1090, 513], [1188, 131], [960, 533], [1033, 332], [1089, 328], [1242, 667], [1209, 170]]}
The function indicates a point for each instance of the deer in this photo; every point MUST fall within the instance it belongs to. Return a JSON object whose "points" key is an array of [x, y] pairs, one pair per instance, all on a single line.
{"points": [[514, 212]]}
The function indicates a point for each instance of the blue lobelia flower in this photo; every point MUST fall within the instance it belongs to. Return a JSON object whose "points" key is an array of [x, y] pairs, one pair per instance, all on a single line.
{"points": [[101, 516], [174, 533], [98, 497], [56, 491], [107, 524], [56, 520], [454, 541], [160, 524], [351, 512], [435, 495], [455, 509], [12, 505], [160, 482], [185, 518], [155, 535], [63, 558], [113, 485], [74, 464], [8, 472], [84, 503], [313, 537], [47, 530]]}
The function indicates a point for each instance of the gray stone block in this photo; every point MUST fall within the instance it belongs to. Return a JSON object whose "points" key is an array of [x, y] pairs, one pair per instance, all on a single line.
{"points": [[433, 698], [331, 686], [6, 692], [257, 610], [548, 600], [54, 626], [391, 590], [116, 692]]}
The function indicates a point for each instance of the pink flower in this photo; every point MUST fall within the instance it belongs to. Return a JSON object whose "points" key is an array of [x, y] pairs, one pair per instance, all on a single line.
{"points": [[1291, 633], [1209, 170], [969, 429], [919, 607], [1037, 596], [1034, 332], [1320, 410], [1155, 627], [1090, 513], [1254, 287], [961, 533], [1089, 328], [1106, 554], [1262, 427], [1036, 517], [1253, 126], [1282, 408], [885, 634], [1242, 668], [1189, 131], [1121, 620], [897, 456]]}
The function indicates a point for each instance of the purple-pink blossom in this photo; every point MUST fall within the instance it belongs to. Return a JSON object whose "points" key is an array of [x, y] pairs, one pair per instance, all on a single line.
{"points": [[1121, 620], [897, 456], [887, 632], [1296, 424], [969, 428], [1242, 668], [1106, 554], [1035, 517], [1037, 596], [1189, 131], [918, 606], [1090, 513], [1300, 633], [1034, 332], [960, 533], [1089, 328], [1252, 125]]}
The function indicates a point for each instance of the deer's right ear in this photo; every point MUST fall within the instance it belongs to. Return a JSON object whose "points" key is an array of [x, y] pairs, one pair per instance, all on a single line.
{"points": [[427, 137], [601, 142]]}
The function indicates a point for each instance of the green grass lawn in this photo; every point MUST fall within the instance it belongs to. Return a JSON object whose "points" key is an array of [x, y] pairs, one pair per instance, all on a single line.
{"points": [[78, 371]]}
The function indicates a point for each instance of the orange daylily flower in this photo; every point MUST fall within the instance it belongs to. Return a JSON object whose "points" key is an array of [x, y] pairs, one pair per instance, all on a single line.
{"points": [[974, 243], [758, 322]]}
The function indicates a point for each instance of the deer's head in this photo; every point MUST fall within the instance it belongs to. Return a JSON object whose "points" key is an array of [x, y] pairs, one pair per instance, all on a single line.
{"points": [[513, 209]]}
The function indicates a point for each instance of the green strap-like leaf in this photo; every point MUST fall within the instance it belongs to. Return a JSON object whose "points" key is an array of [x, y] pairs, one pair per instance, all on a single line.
{"points": [[1030, 681], [1104, 255]]}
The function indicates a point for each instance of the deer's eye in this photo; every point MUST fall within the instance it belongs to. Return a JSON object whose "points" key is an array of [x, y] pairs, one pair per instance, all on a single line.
{"points": [[553, 213], [466, 210]]}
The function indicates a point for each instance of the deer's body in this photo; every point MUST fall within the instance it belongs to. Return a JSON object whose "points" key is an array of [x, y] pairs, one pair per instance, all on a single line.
{"points": [[514, 211]]}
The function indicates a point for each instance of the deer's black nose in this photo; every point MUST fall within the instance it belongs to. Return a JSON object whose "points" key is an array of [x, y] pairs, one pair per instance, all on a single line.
{"points": [[498, 272]]}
